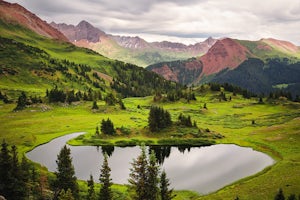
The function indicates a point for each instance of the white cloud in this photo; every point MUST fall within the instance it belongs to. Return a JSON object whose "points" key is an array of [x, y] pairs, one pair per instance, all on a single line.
{"points": [[177, 20]]}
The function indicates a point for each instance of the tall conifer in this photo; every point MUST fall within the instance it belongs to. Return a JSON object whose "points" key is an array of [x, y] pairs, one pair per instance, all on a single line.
{"points": [[105, 180]]}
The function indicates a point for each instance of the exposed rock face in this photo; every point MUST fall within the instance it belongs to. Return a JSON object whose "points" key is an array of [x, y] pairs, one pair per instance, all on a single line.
{"points": [[14, 13], [83, 31], [225, 53]]}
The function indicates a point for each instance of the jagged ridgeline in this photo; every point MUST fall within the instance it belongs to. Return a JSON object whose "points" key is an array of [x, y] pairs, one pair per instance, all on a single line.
{"points": [[33, 63]]}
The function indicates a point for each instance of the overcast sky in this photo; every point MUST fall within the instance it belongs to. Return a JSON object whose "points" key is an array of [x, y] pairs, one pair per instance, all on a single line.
{"points": [[186, 21]]}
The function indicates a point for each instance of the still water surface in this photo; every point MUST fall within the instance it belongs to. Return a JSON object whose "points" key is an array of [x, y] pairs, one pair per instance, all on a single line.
{"points": [[202, 169]]}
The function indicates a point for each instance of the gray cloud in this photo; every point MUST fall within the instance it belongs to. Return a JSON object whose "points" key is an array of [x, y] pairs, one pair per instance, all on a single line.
{"points": [[176, 18]]}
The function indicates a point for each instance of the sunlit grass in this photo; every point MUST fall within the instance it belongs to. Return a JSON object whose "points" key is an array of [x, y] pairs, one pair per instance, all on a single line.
{"points": [[275, 132]]}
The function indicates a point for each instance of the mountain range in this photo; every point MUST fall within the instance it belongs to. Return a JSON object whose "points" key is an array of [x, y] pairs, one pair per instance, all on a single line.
{"points": [[130, 49], [36, 57], [277, 66], [260, 66]]}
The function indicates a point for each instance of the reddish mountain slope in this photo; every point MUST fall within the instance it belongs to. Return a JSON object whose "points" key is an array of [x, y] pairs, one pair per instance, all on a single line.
{"points": [[281, 45], [225, 53], [14, 13]]}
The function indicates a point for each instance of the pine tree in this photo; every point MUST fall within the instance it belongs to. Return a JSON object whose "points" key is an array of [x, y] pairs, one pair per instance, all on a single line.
{"points": [[95, 106], [65, 175], [18, 185], [5, 171], [22, 101], [152, 177], [158, 119], [105, 190], [97, 131], [107, 127], [91, 191], [279, 195], [165, 192], [138, 175]]}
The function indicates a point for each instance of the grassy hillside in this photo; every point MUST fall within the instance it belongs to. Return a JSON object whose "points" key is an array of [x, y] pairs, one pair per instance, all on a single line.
{"points": [[264, 50], [28, 60]]}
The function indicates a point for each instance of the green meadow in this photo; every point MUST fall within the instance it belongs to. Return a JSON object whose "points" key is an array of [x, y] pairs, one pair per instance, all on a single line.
{"points": [[272, 127]]}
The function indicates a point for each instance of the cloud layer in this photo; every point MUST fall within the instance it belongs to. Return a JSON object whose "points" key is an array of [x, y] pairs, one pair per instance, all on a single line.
{"points": [[184, 21]]}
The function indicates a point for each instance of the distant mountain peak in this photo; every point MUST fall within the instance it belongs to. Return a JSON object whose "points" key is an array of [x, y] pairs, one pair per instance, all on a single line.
{"points": [[225, 53], [131, 42], [84, 24], [83, 31]]}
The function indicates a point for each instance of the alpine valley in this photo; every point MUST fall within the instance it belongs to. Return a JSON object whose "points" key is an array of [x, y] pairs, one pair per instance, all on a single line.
{"points": [[118, 92], [269, 63]]}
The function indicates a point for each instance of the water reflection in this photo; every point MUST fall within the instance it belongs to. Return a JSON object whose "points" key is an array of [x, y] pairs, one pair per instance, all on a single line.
{"points": [[161, 152], [204, 169], [108, 150]]}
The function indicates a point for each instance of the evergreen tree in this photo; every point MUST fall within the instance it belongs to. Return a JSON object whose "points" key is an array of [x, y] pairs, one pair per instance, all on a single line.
{"points": [[22, 102], [152, 177], [91, 191], [65, 175], [165, 192], [107, 127], [18, 185], [95, 106], [279, 195], [158, 119], [5, 171], [97, 131], [138, 175], [105, 190]]}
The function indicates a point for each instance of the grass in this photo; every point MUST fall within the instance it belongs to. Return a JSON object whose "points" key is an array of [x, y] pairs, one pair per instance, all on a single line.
{"points": [[275, 132]]}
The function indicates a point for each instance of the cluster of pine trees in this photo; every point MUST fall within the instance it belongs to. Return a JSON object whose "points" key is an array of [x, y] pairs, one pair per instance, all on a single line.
{"points": [[24, 101], [107, 127], [18, 179], [59, 95], [186, 121], [231, 88], [146, 180], [176, 95], [158, 119], [131, 80]]}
